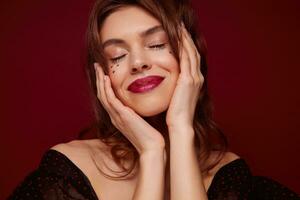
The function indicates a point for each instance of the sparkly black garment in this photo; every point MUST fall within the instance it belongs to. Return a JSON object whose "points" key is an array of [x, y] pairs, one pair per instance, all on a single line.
{"points": [[57, 178]]}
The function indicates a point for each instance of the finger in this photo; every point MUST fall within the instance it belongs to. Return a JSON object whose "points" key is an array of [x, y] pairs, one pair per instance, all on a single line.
{"points": [[196, 52], [184, 58], [98, 84], [192, 52], [101, 90], [192, 43], [114, 102], [185, 62], [189, 52]]}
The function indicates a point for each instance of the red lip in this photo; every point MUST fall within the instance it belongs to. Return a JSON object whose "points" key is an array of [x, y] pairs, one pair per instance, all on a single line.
{"points": [[145, 84]]}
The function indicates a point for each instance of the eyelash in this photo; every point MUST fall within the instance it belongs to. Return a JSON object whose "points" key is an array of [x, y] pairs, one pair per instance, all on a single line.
{"points": [[116, 59], [158, 46], [155, 47]]}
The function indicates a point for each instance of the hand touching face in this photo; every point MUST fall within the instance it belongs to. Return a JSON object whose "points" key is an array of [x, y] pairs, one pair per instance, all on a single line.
{"points": [[180, 114], [136, 47]]}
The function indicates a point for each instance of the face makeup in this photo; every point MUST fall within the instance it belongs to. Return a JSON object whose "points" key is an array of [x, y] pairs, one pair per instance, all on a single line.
{"points": [[143, 70], [145, 84]]}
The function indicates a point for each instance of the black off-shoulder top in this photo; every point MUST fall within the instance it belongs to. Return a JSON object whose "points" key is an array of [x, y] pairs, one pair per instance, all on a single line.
{"points": [[58, 178]]}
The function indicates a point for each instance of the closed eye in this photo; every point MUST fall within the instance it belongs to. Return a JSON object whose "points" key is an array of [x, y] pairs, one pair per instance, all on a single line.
{"points": [[117, 59], [155, 47], [158, 46]]}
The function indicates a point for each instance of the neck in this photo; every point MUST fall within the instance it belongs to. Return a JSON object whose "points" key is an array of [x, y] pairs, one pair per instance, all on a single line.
{"points": [[159, 123]]}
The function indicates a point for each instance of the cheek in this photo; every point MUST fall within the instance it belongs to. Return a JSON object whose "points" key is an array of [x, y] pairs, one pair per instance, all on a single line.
{"points": [[116, 83], [168, 62], [118, 70]]}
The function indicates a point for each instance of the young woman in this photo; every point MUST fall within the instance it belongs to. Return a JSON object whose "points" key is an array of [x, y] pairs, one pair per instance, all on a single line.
{"points": [[156, 137]]}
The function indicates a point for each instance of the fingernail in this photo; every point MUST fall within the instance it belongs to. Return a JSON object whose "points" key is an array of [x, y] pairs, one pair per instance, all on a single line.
{"points": [[182, 24]]}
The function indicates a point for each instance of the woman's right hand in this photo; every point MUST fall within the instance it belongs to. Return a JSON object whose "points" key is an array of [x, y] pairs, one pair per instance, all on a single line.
{"points": [[141, 134]]}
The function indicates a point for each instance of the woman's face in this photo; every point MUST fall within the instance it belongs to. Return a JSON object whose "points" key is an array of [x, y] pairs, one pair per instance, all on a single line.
{"points": [[136, 46]]}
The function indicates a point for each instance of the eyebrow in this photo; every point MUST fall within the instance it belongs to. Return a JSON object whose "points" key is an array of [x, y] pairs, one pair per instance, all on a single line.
{"points": [[143, 34]]}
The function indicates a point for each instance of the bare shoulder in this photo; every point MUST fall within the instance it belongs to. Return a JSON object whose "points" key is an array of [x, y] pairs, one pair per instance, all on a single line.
{"points": [[227, 158], [79, 146], [80, 151], [72, 147]]}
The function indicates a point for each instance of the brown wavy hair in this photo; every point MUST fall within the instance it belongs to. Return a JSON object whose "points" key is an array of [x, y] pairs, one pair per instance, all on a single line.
{"points": [[170, 13]]}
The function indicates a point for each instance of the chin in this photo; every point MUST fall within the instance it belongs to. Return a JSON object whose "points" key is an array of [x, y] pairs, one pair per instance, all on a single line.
{"points": [[149, 104], [149, 110]]}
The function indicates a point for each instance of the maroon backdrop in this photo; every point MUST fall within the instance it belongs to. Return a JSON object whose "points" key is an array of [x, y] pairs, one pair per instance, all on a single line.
{"points": [[253, 75]]}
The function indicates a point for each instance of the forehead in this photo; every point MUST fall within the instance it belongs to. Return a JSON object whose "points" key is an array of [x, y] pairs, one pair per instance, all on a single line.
{"points": [[127, 21]]}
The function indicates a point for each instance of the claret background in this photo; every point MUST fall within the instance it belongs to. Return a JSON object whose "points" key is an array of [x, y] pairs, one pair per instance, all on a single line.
{"points": [[254, 74]]}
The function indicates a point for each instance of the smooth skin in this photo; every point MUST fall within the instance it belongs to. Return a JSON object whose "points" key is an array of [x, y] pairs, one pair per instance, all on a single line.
{"points": [[135, 47], [183, 103], [184, 92], [150, 144]]}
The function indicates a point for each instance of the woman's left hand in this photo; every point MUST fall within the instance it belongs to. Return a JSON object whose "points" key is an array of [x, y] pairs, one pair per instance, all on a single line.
{"points": [[182, 106]]}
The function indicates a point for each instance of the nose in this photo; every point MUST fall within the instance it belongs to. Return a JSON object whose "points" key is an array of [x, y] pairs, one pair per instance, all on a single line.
{"points": [[139, 64], [140, 68]]}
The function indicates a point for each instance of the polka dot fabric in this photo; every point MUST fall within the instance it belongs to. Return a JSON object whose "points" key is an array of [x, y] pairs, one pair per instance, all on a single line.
{"points": [[58, 178], [232, 181], [266, 188]]}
